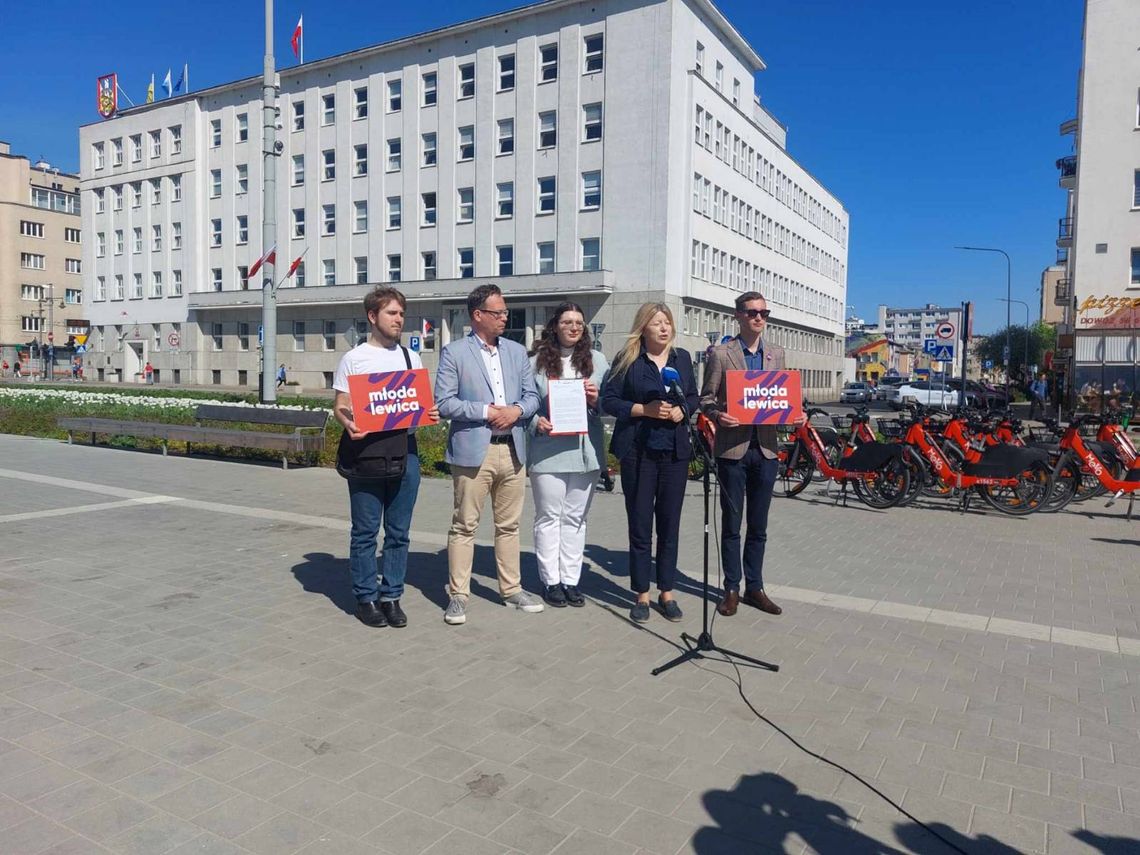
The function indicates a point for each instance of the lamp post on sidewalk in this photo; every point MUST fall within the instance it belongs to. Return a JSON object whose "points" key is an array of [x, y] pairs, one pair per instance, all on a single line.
{"points": [[1008, 294], [1025, 365]]}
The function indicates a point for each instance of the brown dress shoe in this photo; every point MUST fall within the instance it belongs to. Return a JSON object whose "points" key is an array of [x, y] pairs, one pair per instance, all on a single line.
{"points": [[727, 606], [759, 600]]}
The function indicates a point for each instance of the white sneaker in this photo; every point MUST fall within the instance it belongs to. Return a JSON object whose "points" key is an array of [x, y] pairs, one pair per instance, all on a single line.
{"points": [[456, 611], [525, 602]]}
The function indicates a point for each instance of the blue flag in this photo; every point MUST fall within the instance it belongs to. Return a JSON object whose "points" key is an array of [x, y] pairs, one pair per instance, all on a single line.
{"points": [[166, 84], [181, 78]]}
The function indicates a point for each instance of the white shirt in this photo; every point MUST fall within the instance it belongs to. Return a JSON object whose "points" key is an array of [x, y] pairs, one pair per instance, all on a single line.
{"points": [[494, 366], [368, 358]]}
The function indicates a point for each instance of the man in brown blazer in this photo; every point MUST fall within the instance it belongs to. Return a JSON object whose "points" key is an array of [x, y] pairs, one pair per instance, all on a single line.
{"points": [[746, 458]]}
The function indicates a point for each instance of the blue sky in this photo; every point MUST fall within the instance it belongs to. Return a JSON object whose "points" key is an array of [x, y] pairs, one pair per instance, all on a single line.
{"points": [[935, 123]]}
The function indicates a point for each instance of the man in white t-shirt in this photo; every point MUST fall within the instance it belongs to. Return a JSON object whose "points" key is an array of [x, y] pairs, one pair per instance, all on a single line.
{"points": [[390, 501]]}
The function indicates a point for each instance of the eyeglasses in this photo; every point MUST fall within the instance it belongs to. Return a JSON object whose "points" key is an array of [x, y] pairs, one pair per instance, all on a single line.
{"points": [[498, 313], [753, 313]]}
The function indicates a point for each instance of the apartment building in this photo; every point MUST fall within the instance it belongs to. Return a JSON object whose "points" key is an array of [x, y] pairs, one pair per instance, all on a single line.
{"points": [[41, 280], [910, 327], [1100, 234], [607, 152]]}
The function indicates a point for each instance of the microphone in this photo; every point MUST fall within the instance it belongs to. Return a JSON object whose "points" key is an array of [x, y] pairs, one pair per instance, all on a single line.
{"points": [[671, 377]]}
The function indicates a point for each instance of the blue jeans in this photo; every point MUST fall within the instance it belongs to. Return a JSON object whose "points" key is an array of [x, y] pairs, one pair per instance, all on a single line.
{"points": [[745, 495], [393, 502]]}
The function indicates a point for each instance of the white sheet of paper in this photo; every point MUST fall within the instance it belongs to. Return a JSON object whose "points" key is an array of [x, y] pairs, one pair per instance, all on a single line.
{"points": [[568, 407]]}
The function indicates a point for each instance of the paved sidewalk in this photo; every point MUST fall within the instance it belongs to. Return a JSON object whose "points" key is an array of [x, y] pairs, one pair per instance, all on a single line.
{"points": [[179, 672]]}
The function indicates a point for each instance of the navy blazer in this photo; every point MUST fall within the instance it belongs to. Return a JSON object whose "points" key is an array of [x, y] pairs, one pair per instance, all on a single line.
{"points": [[641, 384]]}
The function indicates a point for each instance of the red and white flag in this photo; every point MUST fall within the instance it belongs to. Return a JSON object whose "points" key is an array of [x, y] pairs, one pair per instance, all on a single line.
{"points": [[298, 41], [270, 256], [296, 263]]}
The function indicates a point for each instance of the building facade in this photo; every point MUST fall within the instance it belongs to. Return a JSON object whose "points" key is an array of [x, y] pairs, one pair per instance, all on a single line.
{"points": [[1053, 281], [41, 280], [1101, 230], [910, 327], [610, 152]]}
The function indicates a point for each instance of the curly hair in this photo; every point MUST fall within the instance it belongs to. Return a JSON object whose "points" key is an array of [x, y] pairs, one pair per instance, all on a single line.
{"points": [[548, 351]]}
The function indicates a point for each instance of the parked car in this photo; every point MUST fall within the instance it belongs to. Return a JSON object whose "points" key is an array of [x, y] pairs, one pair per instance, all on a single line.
{"points": [[855, 393], [931, 393], [886, 384]]}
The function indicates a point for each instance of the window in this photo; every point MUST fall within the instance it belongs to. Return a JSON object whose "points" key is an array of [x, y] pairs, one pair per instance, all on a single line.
{"points": [[360, 102], [700, 63], [506, 136], [360, 160], [393, 155], [428, 209], [116, 198], [591, 254], [119, 294], [505, 200], [466, 205], [136, 238], [546, 257], [299, 275], [176, 235], [156, 144], [100, 288], [243, 277], [548, 63], [736, 91], [1136, 189], [175, 283], [117, 152], [136, 148], [466, 263], [719, 77], [175, 189], [118, 241], [136, 287], [360, 263], [467, 80], [506, 259], [99, 202], [393, 212], [298, 222], [547, 129], [298, 335], [591, 191], [156, 284], [429, 150], [395, 98], [30, 323], [329, 271], [429, 89], [429, 265], [243, 127], [394, 268], [546, 195], [156, 191], [298, 115], [31, 292], [156, 238], [215, 183], [328, 219], [329, 335], [242, 229], [215, 133], [328, 109], [591, 122], [98, 156], [506, 72], [241, 178], [1135, 266], [30, 229], [360, 216], [71, 235], [71, 265], [467, 142], [243, 335], [594, 53], [216, 278], [215, 232], [298, 170], [329, 158]]}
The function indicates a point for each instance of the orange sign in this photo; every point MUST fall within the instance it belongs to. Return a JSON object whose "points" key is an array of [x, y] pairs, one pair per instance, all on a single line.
{"points": [[764, 397], [390, 400]]}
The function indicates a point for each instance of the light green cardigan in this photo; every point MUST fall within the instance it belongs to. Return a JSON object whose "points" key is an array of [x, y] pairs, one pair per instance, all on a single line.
{"points": [[584, 453]]}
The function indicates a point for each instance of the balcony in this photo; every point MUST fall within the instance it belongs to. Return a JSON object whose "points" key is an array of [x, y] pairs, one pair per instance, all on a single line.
{"points": [[1068, 167], [1063, 296], [1065, 232], [1069, 126], [1062, 255]]}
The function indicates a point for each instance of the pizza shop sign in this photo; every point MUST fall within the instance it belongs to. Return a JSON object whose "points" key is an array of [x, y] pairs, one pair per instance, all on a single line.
{"points": [[1109, 312]]}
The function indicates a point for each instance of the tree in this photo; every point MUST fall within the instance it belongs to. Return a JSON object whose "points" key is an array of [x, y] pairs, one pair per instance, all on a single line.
{"points": [[1042, 337]]}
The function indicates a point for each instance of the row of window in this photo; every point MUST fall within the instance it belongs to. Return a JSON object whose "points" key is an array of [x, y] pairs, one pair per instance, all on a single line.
{"points": [[41, 292], [719, 78], [36, 261], [136, 188], [155, 238], [698, 321], [55, 200], [710, 264], [118, 291], [99, 151], [731, 149], [732, 213]]}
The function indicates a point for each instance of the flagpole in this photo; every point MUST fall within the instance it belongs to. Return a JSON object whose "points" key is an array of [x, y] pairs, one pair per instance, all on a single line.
{"points": [[119, 89], [289, 268], [269, 214]]}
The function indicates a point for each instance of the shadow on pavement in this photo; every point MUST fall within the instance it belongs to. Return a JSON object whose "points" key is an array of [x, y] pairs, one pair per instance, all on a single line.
{"points": [[918, 839], [1108, 845], [326, 574], [1115, 541]]}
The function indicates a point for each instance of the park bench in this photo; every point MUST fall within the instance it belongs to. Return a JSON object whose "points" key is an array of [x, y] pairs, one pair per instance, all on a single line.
{"points": [[210, 420]]}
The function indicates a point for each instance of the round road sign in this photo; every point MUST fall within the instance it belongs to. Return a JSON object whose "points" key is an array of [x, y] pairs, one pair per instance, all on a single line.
{"points": [[173, 339], [945, 329]]}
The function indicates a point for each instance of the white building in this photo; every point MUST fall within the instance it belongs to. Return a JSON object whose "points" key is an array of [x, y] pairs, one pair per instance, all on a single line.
{"points": [[609, 152], [1102, 225], [910, 327]]}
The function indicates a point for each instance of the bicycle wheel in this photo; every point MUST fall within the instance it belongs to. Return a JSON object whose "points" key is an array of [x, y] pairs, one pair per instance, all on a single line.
{"points": [[934, 487], [1066, 483], [919, 472], [1029, 494], [796, 471], [696, 467], [887, 487]]}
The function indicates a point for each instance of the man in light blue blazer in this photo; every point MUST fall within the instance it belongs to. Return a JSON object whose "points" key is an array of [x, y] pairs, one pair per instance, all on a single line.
{"points": [[485, 387]]}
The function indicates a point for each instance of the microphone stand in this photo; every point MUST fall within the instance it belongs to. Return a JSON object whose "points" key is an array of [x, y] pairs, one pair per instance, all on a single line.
{"points": [[704, 643]]}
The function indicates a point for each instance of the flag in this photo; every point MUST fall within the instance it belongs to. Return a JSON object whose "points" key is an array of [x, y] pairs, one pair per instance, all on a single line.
{"points": [[150, 91], [298, 44], [296, 263], [181, 79], [427, 328], [166, 84], [270, 257]]}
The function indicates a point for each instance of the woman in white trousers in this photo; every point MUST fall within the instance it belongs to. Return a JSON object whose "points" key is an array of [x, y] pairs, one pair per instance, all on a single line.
{"points": [[564, 469]]}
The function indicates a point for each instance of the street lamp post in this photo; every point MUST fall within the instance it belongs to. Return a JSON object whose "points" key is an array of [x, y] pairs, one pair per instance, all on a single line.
{"points": [[1008, 294], [1025, 366]]}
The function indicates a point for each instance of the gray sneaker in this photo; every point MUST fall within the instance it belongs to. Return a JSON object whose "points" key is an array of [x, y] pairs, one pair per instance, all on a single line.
{"points": [[456, 611], [524, 601]]}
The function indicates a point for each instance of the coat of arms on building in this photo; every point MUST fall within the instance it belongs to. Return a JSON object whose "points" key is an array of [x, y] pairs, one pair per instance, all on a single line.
{"points": [[107, 97]]}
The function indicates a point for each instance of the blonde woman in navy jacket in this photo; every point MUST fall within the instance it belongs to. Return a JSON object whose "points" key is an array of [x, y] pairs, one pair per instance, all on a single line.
{"points": [[564, 469]]}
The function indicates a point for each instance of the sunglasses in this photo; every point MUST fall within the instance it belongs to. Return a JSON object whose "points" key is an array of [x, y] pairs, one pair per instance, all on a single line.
{"points": [[753, 313]]}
